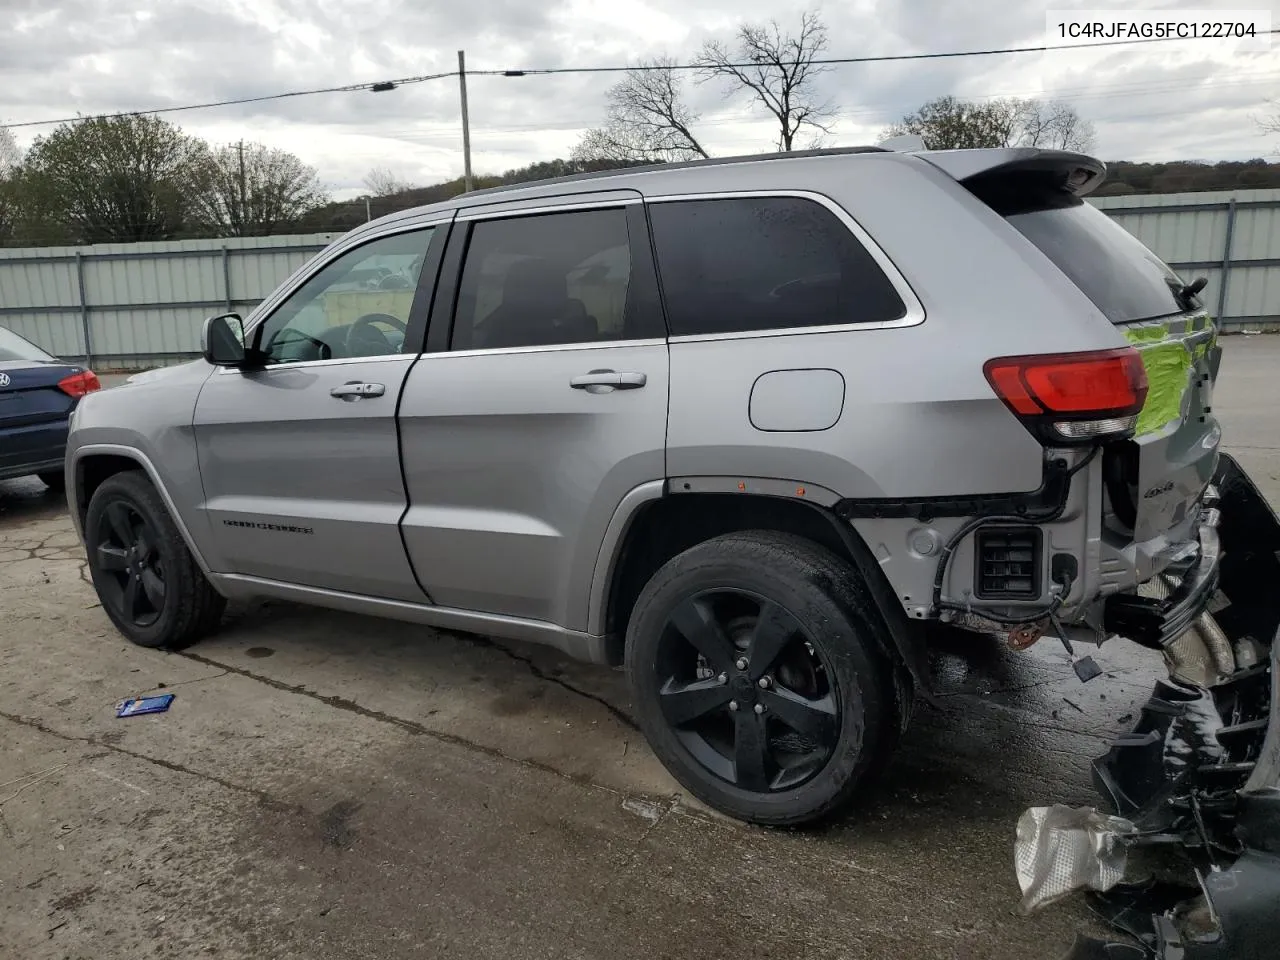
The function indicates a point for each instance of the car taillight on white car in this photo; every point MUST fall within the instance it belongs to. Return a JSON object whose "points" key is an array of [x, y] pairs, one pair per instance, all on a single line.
{"points": [[1067, 398]]}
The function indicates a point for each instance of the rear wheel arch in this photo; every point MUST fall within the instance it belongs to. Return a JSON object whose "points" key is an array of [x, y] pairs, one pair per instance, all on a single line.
{"points": [[667, 526]]}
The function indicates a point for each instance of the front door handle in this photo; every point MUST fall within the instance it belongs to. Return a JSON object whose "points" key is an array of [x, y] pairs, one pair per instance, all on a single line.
{"points": [[602, 381], [354, 390]]}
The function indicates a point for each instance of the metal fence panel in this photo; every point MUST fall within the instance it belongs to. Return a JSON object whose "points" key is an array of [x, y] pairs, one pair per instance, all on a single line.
{"points": [[129, 305]]}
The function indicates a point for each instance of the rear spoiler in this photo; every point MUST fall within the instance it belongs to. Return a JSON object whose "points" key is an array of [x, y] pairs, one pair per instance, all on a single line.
{"points": [[1081, 174]]}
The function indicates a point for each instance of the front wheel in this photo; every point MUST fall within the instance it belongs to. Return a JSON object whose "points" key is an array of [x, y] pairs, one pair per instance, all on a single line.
{"points": [[147, 580], [757, 679]]}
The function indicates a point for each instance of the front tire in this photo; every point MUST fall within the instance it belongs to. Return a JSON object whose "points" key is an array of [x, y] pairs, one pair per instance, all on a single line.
{"points": [[757, 678], [149, 584]]}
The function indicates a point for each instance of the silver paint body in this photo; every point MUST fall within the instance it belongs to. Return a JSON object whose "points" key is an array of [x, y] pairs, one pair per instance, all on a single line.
{"points": [[480, 492]]}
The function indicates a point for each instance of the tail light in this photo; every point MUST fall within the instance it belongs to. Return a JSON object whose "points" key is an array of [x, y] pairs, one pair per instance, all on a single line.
{"points": [[78, 384], [1069, 398]]}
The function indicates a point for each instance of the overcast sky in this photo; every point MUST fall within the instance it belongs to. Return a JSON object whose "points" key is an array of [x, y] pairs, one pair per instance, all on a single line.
{"points": [[1184, 100]]}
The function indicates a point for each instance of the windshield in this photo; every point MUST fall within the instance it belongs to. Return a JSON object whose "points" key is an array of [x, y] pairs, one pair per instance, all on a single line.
{"points": [[1124, 279], [13, 347]]}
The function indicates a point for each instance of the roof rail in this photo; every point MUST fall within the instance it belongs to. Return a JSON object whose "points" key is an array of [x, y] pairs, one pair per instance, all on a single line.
{"points": [[678, 165]]}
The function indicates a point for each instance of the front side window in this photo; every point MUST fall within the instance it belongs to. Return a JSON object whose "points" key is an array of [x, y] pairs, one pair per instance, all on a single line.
{"points": [[745, 264], [356, 306], [557, 278]]}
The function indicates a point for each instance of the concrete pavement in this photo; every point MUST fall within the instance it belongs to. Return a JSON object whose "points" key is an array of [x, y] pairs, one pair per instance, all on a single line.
{"points": [[330, 786]]}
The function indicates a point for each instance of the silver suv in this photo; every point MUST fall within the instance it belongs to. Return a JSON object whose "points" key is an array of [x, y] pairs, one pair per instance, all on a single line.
{"points": [[750, 426]]}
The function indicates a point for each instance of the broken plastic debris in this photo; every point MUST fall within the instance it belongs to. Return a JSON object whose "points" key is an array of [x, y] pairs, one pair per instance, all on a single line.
{"points": [[1063, 849], [139, 705]]}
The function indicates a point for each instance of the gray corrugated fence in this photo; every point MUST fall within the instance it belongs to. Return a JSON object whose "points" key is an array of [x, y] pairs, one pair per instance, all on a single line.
{"points": [[129, 305], [1231, 238], [140, 304]]}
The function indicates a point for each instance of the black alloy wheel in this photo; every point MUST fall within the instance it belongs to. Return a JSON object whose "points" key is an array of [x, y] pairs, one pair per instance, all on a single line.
{"points": [[759, 676], [133, 572], [746, 691], [150, 584]]}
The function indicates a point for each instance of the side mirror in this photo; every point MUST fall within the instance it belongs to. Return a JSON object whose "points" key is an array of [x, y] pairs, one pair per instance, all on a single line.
{"points": [[222, 341]]}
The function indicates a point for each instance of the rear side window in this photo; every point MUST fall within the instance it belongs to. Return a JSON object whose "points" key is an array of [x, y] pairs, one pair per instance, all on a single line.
{"points": [[1124, 279], [14, 347], [744, 264], [557, 278]]}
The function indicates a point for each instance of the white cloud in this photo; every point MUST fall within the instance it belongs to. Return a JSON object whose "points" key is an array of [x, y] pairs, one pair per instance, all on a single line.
{"points": [[63, 57]]}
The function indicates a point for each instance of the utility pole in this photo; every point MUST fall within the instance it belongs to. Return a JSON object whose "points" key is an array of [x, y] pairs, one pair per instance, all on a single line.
{"points": [[466, 125], [367, 214], [244, 220]]}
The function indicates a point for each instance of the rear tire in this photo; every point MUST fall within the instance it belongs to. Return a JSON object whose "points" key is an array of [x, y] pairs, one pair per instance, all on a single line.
{"points": [[757, 678], [148, 582], [55, 480]]}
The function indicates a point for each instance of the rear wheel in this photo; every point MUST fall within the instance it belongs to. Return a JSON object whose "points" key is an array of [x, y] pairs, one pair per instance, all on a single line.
{"points": [[55, 480], [147, 580], [757, 680]]}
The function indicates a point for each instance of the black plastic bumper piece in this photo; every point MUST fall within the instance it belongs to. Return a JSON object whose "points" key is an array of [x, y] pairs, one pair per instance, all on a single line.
{"points": [[1157, 623], [1218, 800]]}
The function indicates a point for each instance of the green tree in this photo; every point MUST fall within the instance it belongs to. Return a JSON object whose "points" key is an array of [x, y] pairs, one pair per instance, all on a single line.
{"points": [[250, 190], [116, 179]]}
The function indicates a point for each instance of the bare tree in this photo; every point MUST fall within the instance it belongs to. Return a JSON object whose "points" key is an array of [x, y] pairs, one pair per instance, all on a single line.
{"points": [[949, 123], [646, 119], [1052, 124], [1271, 122], [779, 70], [10, 157], [10, 153], [383, 182], [247, 189]]}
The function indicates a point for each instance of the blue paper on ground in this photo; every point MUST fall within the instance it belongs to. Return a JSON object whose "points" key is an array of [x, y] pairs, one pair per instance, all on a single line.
{"points": [[140, 705]]}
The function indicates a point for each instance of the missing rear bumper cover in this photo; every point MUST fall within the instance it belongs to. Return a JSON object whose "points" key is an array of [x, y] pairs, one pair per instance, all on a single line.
{"points": [[1200, 772]]}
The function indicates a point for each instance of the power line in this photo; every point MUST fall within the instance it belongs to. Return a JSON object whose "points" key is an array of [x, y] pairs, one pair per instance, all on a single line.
{"points": [[837, 61], [377, 86], [381, 86]]}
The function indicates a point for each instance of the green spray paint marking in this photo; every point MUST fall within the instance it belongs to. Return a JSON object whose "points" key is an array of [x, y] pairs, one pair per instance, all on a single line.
{"points": [[1168, 365]]}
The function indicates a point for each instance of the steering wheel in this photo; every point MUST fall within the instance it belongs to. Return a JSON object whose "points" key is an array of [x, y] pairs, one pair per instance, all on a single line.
{"points": [[374, 341]]}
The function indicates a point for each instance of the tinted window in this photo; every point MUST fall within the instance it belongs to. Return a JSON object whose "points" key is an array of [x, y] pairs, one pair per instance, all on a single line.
{"points": [[768, 263], [14, 347], [1124, 279], [557, 278], [357, 306]]}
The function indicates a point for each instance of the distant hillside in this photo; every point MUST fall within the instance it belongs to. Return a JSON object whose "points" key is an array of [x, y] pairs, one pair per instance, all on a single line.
{"points": [[1123, 178], [344, 215], [1188, 176]]}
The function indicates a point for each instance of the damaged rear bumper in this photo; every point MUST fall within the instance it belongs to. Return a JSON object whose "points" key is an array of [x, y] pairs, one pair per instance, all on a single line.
{"points": [[1200, 773]]}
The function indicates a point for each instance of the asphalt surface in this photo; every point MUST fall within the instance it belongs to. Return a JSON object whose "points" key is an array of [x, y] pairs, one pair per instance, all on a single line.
{"points": [[333, 786]]}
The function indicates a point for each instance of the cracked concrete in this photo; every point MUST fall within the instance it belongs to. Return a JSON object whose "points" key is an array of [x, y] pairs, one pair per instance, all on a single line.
{"points": [[330, 786]]}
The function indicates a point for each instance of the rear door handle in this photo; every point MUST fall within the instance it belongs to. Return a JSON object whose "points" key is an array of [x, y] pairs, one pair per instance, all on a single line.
{"points": [[355, 390], [605, 380]]}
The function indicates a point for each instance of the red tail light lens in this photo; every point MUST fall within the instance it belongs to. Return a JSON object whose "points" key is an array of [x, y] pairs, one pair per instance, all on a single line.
{"points": [[78, 384], [1076, 396]]}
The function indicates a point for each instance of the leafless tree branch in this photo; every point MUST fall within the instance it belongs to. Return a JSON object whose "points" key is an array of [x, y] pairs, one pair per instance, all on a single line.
{"points": [[778, 69]]}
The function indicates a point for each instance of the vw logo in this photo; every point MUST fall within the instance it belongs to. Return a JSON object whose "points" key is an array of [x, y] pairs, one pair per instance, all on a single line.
{"points": [[4, 379]]}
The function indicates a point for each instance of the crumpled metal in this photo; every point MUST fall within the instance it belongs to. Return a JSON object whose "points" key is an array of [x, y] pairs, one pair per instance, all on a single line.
{"points": [[1062, 849]]}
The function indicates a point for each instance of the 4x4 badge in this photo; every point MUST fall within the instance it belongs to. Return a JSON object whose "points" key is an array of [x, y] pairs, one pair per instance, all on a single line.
{"points": [[1156, 491]]}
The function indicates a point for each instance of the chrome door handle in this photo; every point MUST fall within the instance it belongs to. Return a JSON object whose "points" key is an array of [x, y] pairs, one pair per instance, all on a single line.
{"points": [[355, 390], [609, 380]]}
